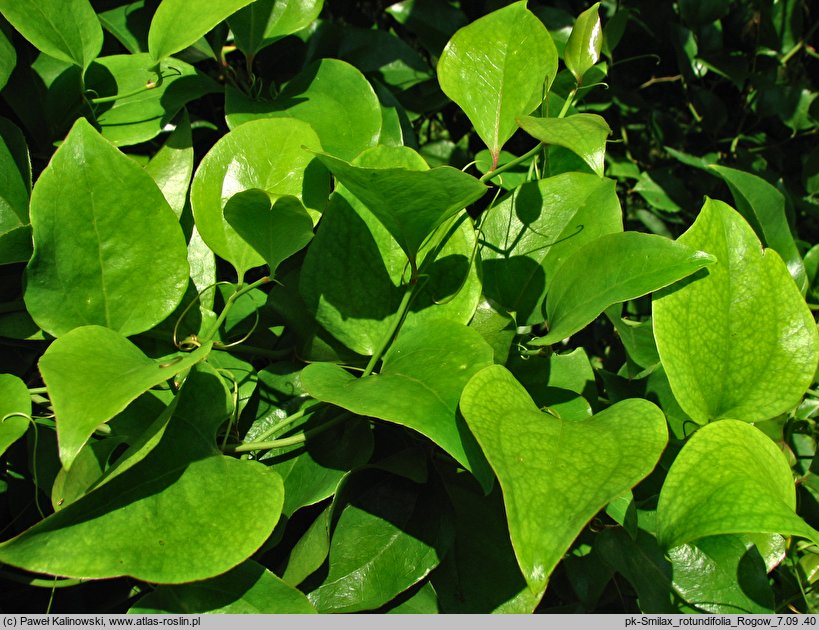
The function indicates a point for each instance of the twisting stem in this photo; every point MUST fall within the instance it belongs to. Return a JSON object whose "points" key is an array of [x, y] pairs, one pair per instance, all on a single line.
{"points": [[240, 291], [41, 582], [293, 440], [288, 420], [400, 314]]}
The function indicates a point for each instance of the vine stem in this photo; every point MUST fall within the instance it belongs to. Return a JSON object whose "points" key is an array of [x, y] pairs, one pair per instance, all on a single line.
{"points": [[511, 164], [240, 291], [293, 440], [403, 308], [284, 422]]}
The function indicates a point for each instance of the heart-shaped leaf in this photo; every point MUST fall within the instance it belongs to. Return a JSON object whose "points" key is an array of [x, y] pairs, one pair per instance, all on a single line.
{"points": [[585, 43], [275, 231], [556, 474], [108, 248], [410, 203], [266, 21], [93, 373], [265, 154], [324, 92], [612, 269], [419, 386], [67, 30], [739, 342], [763, 207], [729, 478], [198, 512], [248, 589], [528, 235], [584, 134], [15, 404], [496, 69], [179, 23]]}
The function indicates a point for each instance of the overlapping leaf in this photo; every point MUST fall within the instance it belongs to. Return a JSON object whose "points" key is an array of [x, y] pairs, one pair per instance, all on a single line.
{"points": [[15, 405], [583, 134], [264, 22]]}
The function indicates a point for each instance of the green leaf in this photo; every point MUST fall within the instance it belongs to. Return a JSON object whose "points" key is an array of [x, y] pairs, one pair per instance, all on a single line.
{"points": [[8, 59], [325, 92], [275, 231], [556, 474], [433, 22], [763, 207], [14, 399], [129, 24], [241, 160], [584, 134], [172, 166], [310, 551], [389, 536], [266, 21], [141, 114], [418, 386], [355, 297], [108, 248], [528, 235], [480, 574], [722, 575], [410, 203], [248, 589], [738, 464], [67, 30], [738, 342], [496, 69], [611, 269], [92, 373], [701, 12], [179, 23], [583, 48], [199, 513]]}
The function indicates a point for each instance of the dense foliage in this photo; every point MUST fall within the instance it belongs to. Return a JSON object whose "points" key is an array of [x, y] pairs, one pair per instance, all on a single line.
{"points": [[427, 306]]}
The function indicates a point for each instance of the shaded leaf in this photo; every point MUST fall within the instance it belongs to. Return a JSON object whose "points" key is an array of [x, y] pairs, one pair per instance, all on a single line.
{"points": [[265, 21], [14, 399], [172, 166]]}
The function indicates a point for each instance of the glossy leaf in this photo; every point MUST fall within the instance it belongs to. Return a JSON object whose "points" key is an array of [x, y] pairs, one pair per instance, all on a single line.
{"points": [[8, 59], [324, 93], [14, 399], [387, 538], [172, 166], [248, 589], [410, 203], [246, 158], [92, 363], [67, 30], [528, 235], [584, 134], [265, 21], [179, 23], [310, 551], [355, 297], [275, 231], [585, 43], [729, 478], [108, 248], [552, 482], [763, 207], [418, 386], [496, 69], [142, 113], [611, 269], [738, 342], [183, 483]]}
